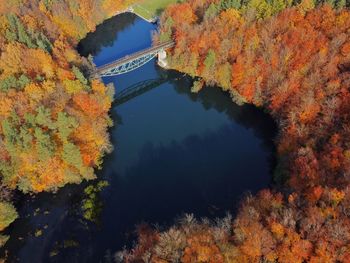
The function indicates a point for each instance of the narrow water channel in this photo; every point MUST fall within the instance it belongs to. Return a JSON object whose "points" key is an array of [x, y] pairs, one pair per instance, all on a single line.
{"points": [[175, 152]]}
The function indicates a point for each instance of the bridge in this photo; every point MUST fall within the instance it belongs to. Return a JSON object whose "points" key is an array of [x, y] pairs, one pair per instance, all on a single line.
{"points": [[134, 61]]}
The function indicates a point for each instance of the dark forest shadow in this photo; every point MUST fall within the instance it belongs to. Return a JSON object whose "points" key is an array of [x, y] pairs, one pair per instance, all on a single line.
{"points": [[105, 35]]}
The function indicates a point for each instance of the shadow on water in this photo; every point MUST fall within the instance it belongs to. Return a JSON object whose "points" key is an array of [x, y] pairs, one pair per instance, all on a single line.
{"points": [[205, 174], [42, 219], [248, 116], [105, 35], [175, 152]]}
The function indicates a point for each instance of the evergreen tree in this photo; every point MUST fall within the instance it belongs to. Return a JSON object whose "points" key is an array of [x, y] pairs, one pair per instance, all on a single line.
{"points": [[26, 138], [211, 12], [79, 75], [44, 144], [71, 155], [65, 125], [6, 84], [10, 133], [43, 117], [226, 4], [340, 4], [22, 81], [209, 61]]}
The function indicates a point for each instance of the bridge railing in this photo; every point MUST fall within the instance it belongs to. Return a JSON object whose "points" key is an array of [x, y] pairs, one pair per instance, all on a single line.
{"points": [[133, 56]]}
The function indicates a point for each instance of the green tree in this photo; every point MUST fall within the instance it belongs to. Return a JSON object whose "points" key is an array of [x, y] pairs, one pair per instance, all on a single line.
{"points": [[340, 4], [26, 138], [22, 81], [8, 83], [71, 155], [30, 119], [43, 117], [12, 82], [166, 33], [212, 11], [11, 33], [210, 59], [79, 75], [227, 4], [330, 2], [44, 144], [11, 135], [41, 40], [65, 124], [92, 205], [8, 170], [17, 28], [8, 214], [48, 3]]}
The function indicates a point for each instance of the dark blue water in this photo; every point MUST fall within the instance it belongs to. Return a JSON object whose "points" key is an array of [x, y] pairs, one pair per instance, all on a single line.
{"points": [[175, 152], [117, 38]]}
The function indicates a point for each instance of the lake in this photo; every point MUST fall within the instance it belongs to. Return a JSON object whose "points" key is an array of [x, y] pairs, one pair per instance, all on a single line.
{"points": [[175, 152]]}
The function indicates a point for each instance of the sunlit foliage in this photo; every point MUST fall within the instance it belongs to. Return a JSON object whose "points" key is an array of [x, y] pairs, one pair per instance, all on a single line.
{"points": [[292, 59], [269, 228], [92, 205], [294, 64], [53, 119], [8, 214]]}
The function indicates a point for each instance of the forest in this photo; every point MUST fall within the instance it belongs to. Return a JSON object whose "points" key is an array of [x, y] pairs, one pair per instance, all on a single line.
{"points": [[53, 117], [292, 59]]}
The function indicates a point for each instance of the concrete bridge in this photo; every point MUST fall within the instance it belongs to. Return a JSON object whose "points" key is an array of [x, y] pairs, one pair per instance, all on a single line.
{"points": [[135, 60]]}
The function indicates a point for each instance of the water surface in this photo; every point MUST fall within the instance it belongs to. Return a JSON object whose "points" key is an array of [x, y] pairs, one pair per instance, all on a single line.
{"points": [[175, 152]]}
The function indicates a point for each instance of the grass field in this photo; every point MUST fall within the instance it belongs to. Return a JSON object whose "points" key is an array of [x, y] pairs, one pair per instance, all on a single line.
{"points": [[151, 8]]}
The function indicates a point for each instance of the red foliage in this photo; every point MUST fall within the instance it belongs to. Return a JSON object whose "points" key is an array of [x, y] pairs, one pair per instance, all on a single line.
{"points": [[297, 65]]}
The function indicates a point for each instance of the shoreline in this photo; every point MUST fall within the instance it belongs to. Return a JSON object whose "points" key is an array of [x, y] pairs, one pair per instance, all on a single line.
{"points": [[132, 11]]}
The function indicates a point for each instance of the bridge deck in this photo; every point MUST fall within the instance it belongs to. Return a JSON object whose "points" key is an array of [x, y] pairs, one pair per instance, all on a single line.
{"points": [[134, 56]]}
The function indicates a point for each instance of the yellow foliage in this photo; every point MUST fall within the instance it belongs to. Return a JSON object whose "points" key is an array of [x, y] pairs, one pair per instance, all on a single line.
{"points": [[277, 229], [37, 54], [73, 86], [49, 86], [5, 106], [337, 195], [30, 21], [34, 91], [7, 214], [66, 26], [306, 5], [11, 59], [231, 17], [98, 87], [71, 55], [4, 24], [45, 62]]}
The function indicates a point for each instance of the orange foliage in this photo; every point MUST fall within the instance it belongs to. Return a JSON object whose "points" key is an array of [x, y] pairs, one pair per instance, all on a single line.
{"points": [[182, 14], [43, 107], [88, 104], [297, 65], [201, 248]]}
